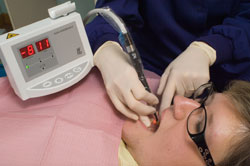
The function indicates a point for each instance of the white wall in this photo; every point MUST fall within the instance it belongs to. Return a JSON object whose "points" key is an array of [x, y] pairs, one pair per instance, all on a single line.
{"points": [[24, 12]]}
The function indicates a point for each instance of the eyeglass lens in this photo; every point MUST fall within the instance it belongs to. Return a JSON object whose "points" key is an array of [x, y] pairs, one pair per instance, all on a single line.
{"points": [[202, 93], [196, 121]]}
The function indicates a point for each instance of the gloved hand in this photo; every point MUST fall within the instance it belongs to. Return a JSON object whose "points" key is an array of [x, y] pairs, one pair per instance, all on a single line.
{"points": [[122, 83], [186, 73]]}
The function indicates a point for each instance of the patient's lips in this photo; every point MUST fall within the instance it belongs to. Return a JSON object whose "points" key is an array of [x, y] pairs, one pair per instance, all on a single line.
{"points": [[154, 125]]}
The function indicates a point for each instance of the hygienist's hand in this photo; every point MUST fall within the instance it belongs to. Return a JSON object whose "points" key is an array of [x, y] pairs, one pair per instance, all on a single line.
{"points": [[186, 73], [122, 83]]}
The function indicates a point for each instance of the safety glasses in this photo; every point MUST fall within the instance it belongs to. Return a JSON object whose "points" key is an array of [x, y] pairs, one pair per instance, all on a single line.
{"points": [[197, 121]]}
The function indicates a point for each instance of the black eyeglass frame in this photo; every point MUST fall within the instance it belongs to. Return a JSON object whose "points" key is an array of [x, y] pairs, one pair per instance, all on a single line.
{"points": [[199, 138]]}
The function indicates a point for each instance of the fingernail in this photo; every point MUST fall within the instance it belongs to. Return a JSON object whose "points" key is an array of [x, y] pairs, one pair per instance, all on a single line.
{"points": [[135, 117], [156, 102], [145, 121], [152, 110]]}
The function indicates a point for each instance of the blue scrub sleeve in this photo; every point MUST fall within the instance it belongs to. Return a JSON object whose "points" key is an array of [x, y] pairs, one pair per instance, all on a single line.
{"points": [[245, 76], [99, 31], [231, 39]]}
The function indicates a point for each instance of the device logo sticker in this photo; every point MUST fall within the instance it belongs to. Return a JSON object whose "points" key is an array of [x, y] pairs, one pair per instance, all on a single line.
{"points": [[10, 35]]}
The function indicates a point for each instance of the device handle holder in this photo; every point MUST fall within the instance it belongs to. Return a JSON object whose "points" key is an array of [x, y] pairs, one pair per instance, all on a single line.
{"points": [[115, 21], [62, 10]]}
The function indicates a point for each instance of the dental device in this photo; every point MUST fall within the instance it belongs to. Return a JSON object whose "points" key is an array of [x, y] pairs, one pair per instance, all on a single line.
{"points": [[47, 56], [125, 40]]}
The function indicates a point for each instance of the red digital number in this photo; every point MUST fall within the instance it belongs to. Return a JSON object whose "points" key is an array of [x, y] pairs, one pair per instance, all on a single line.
{"points": [[27, 51], [47, 43], [40, 47], [31, 50], [42, 44]]}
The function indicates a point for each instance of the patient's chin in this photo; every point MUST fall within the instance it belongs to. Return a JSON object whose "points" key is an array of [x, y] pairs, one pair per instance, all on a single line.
{"points": [[133, 131]]}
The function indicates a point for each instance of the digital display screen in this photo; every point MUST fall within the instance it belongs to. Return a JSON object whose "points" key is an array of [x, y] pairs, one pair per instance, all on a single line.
{"points": [[27, 51], [42, 44]]}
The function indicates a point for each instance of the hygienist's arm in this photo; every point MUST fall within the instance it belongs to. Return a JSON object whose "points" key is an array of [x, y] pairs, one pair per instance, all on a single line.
{"points": [[231, 40], [225, 47]]}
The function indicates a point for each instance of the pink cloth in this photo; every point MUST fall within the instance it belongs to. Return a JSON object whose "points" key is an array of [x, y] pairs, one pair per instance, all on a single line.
{"points": [[76, 127]]}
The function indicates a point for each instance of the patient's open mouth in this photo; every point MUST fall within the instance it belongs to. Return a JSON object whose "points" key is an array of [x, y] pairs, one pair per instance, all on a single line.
{"points": [[154, 124], [153, 127]]}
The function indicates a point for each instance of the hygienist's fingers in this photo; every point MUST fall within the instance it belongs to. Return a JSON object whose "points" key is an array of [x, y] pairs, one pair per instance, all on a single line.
{"points": [[189, 88], [141, 94], [163, 81], [202, 80], [145, 120], [180, 90], [122, 108], [167, 95], [138, 106]]}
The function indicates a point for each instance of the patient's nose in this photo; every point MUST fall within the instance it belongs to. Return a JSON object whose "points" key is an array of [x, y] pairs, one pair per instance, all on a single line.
{"points": [[183, 106]]}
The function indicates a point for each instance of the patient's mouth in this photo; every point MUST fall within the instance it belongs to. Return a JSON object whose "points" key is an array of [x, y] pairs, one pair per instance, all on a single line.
{"points": [[154, 124]]}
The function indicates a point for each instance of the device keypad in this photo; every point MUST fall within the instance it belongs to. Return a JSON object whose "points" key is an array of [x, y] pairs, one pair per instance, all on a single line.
{"points": [[61, 78]]}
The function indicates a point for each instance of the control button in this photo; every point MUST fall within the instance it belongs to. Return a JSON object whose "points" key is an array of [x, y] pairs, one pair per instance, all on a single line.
{"points": [[47, 84], [77, 69], [43, 67], [68, 75], [59, 80]]}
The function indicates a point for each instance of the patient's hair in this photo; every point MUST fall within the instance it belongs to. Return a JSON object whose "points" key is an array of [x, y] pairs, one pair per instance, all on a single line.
{"points": [[239, 153]]}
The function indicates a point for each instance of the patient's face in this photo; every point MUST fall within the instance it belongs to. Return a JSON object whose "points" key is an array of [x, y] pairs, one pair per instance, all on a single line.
{"points": [[171, 144]]}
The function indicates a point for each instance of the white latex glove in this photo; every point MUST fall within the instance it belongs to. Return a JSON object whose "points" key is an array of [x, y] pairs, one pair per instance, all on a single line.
{"points": [[122, 83], [186, 73]]}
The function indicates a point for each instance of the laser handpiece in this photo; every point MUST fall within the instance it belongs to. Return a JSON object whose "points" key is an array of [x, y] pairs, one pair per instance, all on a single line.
{"points": [[125, 40]]}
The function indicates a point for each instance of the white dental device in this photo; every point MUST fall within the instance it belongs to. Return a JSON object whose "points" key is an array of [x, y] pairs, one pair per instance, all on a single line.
{"points": [[47, 56]]}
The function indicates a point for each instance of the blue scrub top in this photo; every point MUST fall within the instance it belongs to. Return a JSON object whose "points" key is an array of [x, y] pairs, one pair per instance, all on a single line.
{"points": [[163, 29]]}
